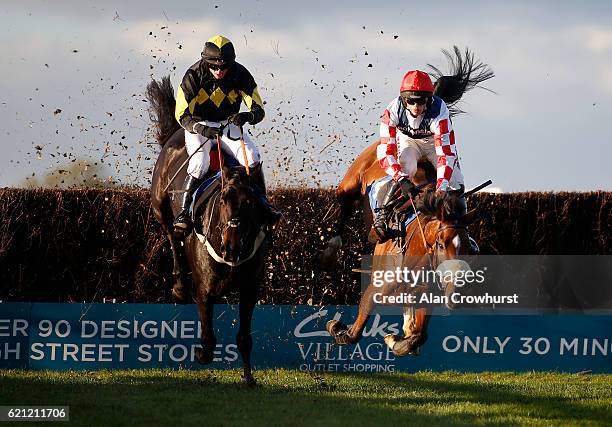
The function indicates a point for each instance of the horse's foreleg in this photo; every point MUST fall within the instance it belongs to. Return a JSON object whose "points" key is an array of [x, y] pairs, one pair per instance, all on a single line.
{"points": [[345, 335], [416, 321], [208, 341], [243, 338], [346, 198], [181, 290]]}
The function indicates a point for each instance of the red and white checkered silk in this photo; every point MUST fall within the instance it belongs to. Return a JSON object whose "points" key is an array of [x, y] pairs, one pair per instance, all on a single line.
{"points": [[438, 127]]}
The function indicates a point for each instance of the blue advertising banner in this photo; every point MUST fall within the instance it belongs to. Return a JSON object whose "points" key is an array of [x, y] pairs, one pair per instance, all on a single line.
{"points": [[124, 336]]}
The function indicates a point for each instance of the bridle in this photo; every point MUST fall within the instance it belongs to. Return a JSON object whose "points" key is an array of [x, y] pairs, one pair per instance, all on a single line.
{"points": [[233, 222], [431, 249]]}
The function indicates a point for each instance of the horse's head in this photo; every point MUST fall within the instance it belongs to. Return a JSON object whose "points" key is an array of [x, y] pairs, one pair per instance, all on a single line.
{"points": [[448, 239], [240, 215]]}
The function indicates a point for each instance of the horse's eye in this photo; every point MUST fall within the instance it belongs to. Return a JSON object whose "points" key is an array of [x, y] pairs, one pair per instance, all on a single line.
{"points": [[440, 245]]}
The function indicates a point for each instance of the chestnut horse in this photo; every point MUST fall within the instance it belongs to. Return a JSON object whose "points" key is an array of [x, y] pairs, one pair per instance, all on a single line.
{"points": [[466, 73], [230, 246], [438, 234]]}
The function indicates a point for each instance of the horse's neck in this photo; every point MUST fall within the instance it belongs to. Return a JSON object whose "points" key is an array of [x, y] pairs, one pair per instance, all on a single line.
{"points": [[211, 218], [417, 229]]}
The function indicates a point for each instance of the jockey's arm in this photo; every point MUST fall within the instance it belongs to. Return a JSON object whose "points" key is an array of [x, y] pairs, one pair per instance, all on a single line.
{"points": [[185, 102], [444, 140], [252, 99], [386, 152]]}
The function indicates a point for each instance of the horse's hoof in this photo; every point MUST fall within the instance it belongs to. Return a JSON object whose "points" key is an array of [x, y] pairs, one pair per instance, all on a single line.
{"points": [[249, 381], [338, 331], [334, 326], [204, 356], [391, 340], [402, 346]]}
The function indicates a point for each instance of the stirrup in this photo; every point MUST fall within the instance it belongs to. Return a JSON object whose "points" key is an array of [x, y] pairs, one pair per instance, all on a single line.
{"points": [[375, 235], [182, 224]]}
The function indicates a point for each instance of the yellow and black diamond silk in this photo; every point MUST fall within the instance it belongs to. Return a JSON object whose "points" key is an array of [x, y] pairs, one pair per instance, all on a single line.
{"points": [[201, 97]]}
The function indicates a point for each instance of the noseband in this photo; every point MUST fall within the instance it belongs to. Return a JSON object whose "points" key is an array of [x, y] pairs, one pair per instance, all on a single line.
{"points": [[231, 223]]}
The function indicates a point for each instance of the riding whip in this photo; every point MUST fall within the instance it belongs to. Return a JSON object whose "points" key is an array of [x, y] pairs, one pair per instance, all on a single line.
{"points": [[246, 162], [419, 222], [478, 188], [187, 161]]}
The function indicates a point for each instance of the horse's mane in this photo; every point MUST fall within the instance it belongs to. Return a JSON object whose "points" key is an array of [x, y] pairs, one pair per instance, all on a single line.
{"points": [[448, 207], [466, 73], [238, 182], [236, 176]]}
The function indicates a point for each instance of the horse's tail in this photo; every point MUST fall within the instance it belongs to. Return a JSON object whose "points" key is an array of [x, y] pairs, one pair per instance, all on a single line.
{"points": [[465, 73], [161, 96]]}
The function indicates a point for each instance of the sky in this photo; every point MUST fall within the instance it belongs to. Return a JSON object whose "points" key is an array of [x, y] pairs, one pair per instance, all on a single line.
{"points": [[73, 75]]}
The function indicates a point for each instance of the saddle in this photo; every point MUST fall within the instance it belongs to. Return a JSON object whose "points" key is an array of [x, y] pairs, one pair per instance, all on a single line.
{"points": [[210, 185]]}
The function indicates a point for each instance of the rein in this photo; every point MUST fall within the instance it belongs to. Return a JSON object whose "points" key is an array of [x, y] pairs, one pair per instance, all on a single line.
{"points": [[420, 226], [189, 158]]}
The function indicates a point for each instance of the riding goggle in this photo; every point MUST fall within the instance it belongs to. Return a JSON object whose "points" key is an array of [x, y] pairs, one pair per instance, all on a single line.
{"points": [[418, 101], [216, 67]]}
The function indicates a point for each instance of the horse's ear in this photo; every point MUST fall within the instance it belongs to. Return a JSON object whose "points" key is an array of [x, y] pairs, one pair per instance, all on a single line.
{"points": [[469, 217], [244, 175], [440, 207], [458, 192], [255, 174], [227, 171]]}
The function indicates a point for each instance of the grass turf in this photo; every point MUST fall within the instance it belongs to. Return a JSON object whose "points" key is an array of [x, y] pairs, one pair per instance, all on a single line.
{"points": [[286, 397]]}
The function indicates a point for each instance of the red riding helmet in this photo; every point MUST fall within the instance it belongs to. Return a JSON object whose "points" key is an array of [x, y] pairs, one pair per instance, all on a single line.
{"points": [[418, 82]]}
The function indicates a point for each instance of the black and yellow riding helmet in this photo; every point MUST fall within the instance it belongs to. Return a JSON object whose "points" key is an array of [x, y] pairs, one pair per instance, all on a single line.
{"points": [[219, 50]]}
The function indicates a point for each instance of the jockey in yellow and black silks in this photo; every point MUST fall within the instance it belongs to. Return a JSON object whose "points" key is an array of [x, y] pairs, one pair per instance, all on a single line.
{"points": [[208, 105]]}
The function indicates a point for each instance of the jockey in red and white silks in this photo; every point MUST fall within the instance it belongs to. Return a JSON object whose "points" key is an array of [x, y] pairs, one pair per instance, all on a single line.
{"points": [[416, 124], [406, 138]]}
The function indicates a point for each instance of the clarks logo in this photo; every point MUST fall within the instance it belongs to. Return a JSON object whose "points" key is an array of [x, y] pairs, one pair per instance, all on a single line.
{"points": [[306, 329]]}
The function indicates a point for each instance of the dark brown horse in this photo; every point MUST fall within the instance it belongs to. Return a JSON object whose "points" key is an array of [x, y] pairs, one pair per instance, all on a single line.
{"points": [[229, 248], [439, 234]]}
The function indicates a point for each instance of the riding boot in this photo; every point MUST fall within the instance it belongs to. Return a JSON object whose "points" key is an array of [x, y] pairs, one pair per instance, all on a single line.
{"points": [[380, 232], [259, 185], [183, 223]]}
